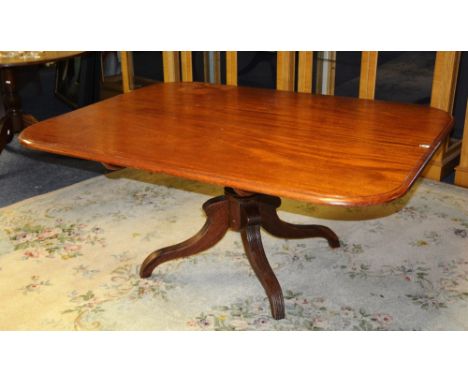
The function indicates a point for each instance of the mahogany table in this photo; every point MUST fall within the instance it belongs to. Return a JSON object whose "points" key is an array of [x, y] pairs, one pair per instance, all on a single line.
{"points": [[261, 145], [14, 120]]}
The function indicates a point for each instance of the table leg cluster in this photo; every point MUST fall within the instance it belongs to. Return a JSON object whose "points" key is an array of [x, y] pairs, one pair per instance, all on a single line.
{"points": [[246, 213]]}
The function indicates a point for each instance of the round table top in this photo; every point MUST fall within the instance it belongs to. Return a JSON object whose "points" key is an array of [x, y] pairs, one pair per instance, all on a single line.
{"points": [[12, 58]]}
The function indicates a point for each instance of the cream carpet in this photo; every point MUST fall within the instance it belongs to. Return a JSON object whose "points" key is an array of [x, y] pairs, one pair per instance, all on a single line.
{"points": [[69, 260]]}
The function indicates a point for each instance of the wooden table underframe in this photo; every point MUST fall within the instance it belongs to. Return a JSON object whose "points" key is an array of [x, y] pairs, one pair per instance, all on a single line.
{"points": [[243, 212]]}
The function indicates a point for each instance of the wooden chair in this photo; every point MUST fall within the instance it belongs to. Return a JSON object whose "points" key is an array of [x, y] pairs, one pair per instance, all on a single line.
{"points": [[177, 66]]}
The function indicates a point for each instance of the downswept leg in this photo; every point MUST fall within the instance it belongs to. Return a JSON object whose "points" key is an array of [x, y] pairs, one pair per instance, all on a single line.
{"points": [[255, 253], [272, 223], [213, 231]]}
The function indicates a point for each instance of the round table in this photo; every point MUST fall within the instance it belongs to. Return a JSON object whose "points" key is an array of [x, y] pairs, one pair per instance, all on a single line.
{"points": [[14, 120]]}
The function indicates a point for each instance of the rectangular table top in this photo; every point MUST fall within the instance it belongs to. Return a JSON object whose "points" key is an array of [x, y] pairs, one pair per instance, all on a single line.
{"points": [[320, 149]]}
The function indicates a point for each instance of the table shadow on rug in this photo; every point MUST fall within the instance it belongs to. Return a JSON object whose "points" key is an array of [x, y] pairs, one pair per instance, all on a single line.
{"points": [[287, 205]]}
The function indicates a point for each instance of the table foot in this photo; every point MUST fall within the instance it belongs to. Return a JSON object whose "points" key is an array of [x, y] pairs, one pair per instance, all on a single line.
{"points": [[244, 212]]}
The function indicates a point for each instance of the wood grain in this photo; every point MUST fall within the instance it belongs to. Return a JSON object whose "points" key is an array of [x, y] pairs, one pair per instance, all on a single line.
{"points": [[444, 83], [231, 68], [368, 77], [186, 66], [127, 71], [320, 149], [304, 72], [286, 67], [171, 66]]}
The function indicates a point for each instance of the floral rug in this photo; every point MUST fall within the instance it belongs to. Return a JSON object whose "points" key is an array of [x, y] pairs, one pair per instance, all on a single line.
{"points": [[69, 260]]}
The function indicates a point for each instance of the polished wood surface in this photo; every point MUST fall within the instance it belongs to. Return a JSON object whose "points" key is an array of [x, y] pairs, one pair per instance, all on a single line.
{"points": [[186, 66], [126, 63], [444, 81], [171, 66], [231, 68], [368, 77], [304, 72], [320, 149], [41, 58], [285, 72]]}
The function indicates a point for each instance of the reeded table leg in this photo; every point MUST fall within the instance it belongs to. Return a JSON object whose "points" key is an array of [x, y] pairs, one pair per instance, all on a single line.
{"points": [[243, 212], [254, 249]]}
